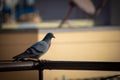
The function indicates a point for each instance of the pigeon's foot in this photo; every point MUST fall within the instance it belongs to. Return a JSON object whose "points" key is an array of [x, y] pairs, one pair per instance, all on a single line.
{"points": [[43, 60], [31, 59]]}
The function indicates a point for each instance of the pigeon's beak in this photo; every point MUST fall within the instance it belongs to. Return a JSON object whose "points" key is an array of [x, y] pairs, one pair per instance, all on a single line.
{"points": [[53, 36]]}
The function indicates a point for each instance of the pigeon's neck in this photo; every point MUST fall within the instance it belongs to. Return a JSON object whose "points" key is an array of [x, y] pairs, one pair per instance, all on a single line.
{"points": [[47, 39]]}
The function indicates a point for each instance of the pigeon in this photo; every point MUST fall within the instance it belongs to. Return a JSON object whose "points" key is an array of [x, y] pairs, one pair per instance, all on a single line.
{"points": [[37, 49]]}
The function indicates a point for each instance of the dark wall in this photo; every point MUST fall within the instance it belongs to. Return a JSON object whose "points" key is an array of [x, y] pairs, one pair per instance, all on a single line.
{"points": [[115, 12], [56, 9]]}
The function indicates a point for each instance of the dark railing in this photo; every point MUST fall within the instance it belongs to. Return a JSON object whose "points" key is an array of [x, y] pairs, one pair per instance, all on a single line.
{"points": [[57, 65]]}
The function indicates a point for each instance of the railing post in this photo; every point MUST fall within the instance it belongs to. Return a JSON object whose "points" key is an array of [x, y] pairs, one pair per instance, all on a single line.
{"points": [[40, 74]]}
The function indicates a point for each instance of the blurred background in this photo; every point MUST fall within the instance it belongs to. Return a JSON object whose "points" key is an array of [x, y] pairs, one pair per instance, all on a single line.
{"points": [[85, 30]]}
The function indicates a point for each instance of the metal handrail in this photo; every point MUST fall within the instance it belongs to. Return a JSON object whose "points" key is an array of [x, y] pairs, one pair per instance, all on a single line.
{"points": [[57, 65]]}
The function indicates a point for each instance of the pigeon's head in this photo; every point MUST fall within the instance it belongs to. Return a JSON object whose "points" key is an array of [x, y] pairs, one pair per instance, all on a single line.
{"points": [[48, 36]]}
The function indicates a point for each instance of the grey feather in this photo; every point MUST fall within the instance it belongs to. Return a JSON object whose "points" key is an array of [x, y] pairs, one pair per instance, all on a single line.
{"points": [[37, 49]]}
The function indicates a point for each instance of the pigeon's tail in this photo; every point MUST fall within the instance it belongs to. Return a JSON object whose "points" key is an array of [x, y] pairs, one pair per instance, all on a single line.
{"points": [[18, 57]]}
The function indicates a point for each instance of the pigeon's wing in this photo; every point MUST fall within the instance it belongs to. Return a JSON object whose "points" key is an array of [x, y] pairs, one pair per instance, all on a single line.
{"points": [[35, 51], [39, 47]]}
